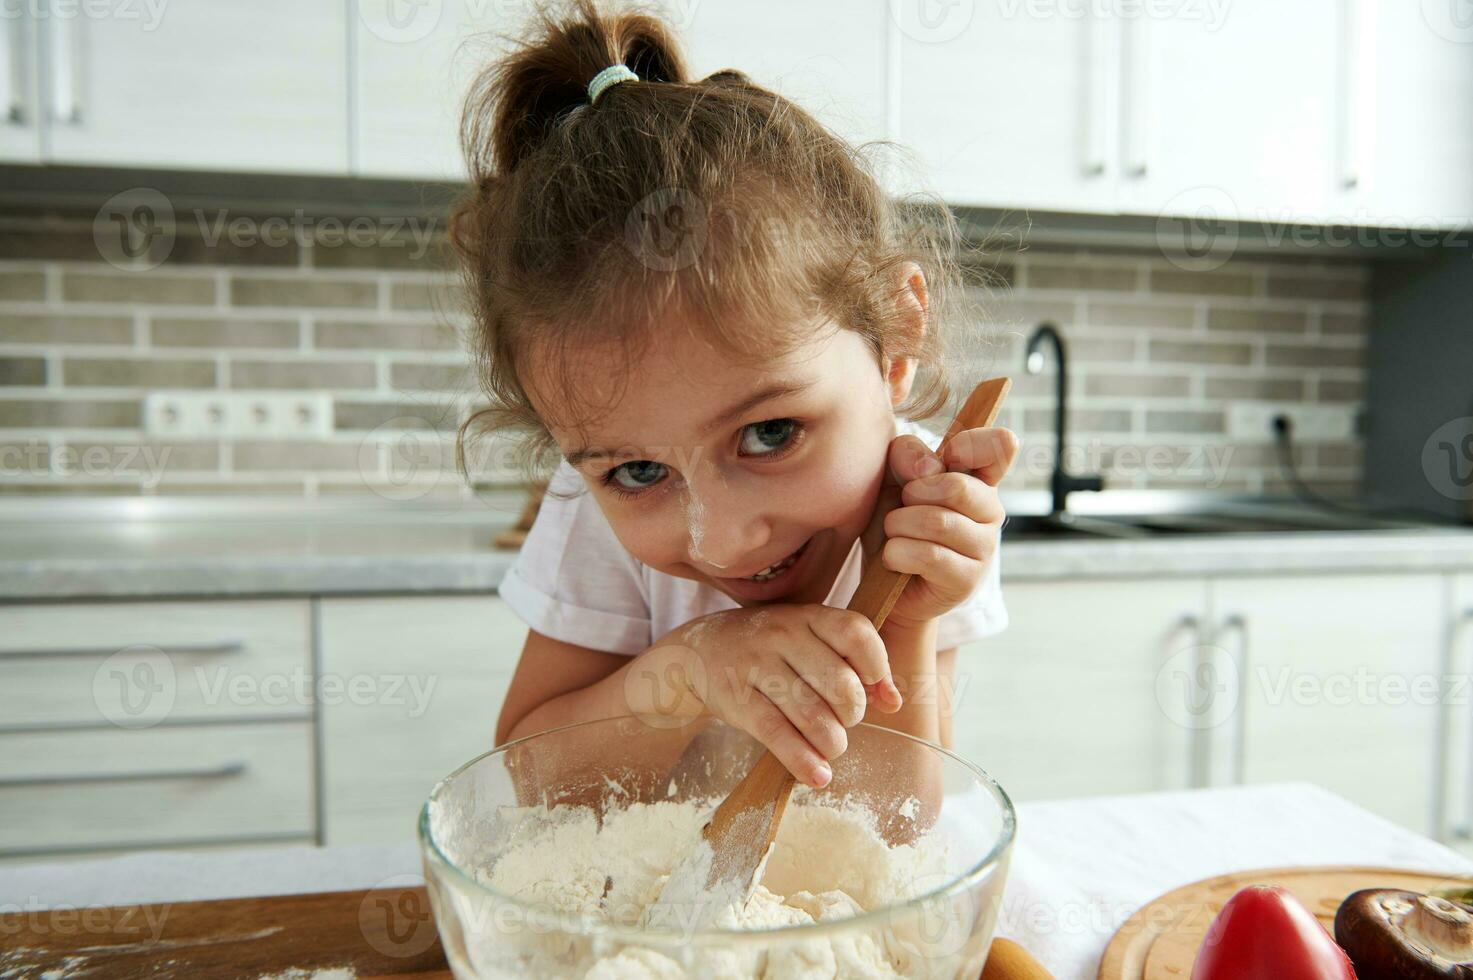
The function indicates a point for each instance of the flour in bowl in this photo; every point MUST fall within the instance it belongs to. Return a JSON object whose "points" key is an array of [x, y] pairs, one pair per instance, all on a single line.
{"points": [[827, 864]]}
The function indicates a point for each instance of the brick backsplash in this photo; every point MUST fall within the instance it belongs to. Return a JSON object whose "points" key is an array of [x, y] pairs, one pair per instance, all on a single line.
{"points": [[1163, 361]]}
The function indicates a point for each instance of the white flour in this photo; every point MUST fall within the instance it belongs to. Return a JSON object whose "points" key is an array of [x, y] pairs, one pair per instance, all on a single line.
{"points": [[826, 864]]}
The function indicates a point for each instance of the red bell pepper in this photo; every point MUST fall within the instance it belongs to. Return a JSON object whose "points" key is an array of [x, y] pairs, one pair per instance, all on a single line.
{"points": [[1263, 933]]}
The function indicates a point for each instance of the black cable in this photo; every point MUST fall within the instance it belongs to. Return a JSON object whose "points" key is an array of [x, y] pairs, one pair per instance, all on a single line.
{"points": [[1284, 438]]}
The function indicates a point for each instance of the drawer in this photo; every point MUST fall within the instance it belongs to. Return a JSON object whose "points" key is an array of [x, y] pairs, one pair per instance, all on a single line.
{"points": [[167, 786], [135, 665]]}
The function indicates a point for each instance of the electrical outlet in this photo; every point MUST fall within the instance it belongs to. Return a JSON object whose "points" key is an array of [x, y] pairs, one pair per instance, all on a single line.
{"points": [[237, 415], [1254, 421]]}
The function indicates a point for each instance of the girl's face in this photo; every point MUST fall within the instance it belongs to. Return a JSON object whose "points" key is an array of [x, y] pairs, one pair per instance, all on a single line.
{"points": [[754, 479]]}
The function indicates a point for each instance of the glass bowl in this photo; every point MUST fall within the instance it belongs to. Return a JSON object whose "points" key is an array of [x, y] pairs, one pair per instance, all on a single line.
{"points": [[918, 794]]}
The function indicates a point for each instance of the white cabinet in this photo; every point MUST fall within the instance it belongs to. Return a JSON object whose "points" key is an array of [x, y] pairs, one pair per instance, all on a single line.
{"points": [[1417, 154], [1455, 799], [414, 66], [1339, 681], [826, 55], [234, 85], [1009, 110], [431, 674], [1076, 697], [20, 128], [1241, 112]]}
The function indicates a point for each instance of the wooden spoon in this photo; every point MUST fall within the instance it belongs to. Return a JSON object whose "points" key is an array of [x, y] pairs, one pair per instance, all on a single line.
{"points": [[743, 828]]}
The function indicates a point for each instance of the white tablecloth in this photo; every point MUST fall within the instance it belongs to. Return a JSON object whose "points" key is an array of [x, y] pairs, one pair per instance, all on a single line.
{"points": [[1080, 867]]}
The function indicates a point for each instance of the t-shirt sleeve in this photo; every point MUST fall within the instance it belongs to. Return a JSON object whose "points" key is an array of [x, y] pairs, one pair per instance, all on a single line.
{"points": [[984, 613], [572, 580]]}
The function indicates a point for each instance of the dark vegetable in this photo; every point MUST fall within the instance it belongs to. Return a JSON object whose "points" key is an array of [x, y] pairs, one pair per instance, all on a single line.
{"points": [[1392, 934]]}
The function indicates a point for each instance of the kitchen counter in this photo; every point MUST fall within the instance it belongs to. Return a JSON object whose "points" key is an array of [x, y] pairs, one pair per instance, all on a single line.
{"points": [[73, 549], [1079, 869]]}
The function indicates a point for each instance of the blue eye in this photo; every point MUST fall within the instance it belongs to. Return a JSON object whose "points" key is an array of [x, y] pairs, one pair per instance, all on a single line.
{"points": [[638, 475], [772, 439], [765, 438]]}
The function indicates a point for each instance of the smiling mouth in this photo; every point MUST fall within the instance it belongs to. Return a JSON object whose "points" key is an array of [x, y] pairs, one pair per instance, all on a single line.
{"points": [[773, 571]]}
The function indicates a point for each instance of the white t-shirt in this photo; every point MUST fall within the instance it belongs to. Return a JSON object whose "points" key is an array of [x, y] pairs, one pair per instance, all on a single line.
{"points": [[573, 581]]}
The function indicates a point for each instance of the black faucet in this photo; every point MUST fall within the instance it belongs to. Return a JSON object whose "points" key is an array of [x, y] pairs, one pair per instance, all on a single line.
{"points": [[1061, 484]]}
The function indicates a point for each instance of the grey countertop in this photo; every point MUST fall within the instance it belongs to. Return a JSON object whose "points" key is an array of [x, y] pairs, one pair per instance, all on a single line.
{"points": [[66, 549]]}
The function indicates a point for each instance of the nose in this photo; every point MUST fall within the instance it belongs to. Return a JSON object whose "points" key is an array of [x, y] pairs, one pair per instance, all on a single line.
{"points": [[725, 522]]}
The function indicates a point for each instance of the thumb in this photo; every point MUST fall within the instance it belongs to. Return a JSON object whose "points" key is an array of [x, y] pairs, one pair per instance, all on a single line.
{"points": [[911, 459], [902, 460]]}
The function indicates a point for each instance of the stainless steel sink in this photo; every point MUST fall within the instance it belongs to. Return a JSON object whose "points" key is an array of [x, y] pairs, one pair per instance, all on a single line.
{"points": [[1030, 527]]}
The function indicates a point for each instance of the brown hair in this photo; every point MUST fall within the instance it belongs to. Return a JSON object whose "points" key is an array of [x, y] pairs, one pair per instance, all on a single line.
{"points": [[716, 199]]}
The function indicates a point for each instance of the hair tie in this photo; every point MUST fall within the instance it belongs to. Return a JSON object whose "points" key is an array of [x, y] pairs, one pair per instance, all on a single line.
{"points": [[609, 77]]}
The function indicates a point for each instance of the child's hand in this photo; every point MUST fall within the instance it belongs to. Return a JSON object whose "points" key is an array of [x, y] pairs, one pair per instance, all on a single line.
{"points": [[792, 676], [946, 527]]}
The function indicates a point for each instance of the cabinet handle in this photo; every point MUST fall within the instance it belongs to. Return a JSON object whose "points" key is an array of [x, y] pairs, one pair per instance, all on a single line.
{"points": [[1197, 747], [228, 770], [1352, 68], [66, 66], [217, 648], [12, 70], [1238, 623], [1100, 73], [1463, 831], [1135, 56]]}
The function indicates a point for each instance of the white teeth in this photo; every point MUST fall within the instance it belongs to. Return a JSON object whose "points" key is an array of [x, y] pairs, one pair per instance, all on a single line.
{"points": [[772, 571]]}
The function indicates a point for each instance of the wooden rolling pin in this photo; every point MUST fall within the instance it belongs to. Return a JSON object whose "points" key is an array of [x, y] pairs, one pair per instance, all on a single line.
{"points": [[1009, 961]]}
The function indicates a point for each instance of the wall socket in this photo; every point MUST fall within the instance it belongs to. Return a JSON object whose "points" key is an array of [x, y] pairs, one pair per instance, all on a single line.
{"points": [[237, 415], [1254, 421]]}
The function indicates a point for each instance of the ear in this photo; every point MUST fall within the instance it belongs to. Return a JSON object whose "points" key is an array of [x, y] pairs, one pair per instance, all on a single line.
{"points": [[913, 307]]}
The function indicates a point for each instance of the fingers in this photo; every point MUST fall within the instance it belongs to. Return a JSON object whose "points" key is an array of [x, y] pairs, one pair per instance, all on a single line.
{"points": [[767, 723], [946, 571], [910, 458], [808, 712], [960, 492], [943, 526], [987, 454], [854, 638]]}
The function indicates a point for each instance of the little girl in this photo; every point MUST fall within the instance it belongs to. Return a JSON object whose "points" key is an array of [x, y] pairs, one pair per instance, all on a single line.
{"points": [[700, 302]]}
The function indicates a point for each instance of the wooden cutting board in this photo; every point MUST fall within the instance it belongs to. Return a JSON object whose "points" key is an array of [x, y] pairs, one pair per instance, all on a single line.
{"points": [[380, 934], [1160, 941], [383, 932]]}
